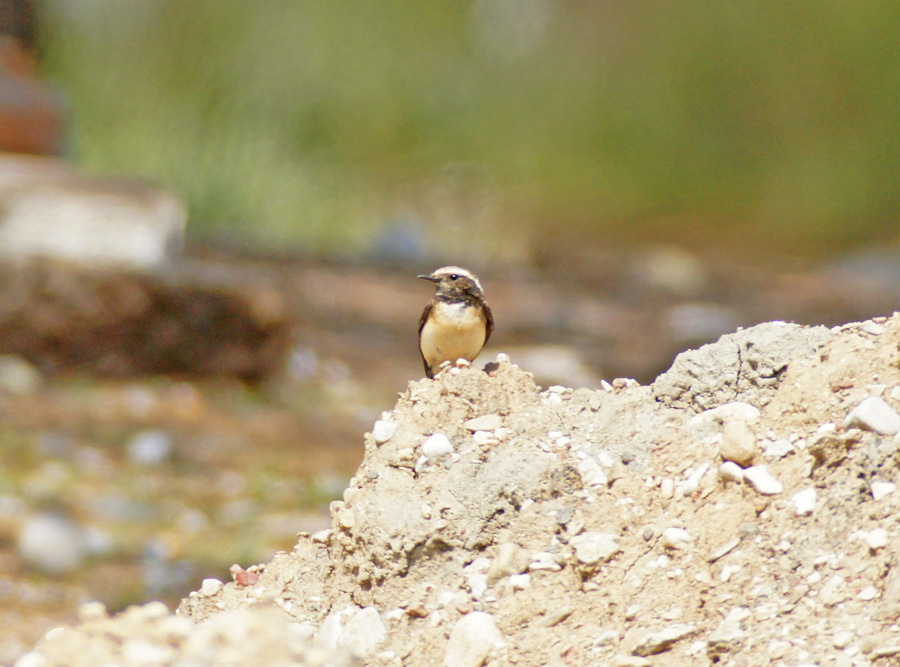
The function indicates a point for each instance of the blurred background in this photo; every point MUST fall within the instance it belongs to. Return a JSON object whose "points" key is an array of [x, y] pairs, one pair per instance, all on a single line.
{"points": [[212, 213]]}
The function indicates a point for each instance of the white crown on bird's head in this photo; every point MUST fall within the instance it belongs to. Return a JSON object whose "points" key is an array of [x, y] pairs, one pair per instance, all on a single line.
{"points": [[458, 270]]}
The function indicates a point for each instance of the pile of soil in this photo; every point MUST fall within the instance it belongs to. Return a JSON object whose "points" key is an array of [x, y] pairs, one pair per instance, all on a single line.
{"points": [[741, 510]]}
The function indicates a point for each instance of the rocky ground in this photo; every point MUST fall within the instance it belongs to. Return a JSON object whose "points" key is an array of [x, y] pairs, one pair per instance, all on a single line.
{"points": [[741, 510]]}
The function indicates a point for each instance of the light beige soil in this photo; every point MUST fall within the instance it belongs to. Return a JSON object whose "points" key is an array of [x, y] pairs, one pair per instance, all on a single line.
{"points": [[581, 490]]}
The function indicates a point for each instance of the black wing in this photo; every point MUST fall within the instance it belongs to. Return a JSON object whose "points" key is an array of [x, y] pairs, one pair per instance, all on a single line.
{"points": [[422, 320], [489, 323]]}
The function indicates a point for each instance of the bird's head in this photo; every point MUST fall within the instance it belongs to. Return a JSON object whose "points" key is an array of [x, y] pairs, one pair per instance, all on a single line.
{"points": [[455, 281]]}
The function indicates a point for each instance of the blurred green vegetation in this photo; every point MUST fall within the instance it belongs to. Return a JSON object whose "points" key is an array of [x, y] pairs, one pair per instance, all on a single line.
{"points": [[310, 124]]}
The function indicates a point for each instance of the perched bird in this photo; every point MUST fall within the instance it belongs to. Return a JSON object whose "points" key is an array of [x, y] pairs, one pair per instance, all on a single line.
{"points": [[457, 322]]}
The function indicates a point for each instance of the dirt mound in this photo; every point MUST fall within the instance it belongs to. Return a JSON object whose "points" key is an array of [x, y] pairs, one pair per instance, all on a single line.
{"points": [[494, 523]]}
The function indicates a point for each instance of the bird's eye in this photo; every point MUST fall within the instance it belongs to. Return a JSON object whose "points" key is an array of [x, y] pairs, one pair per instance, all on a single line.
{"points": [[453, 276]]}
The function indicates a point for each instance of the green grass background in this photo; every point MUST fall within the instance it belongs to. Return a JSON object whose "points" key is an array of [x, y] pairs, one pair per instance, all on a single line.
{"points": [[311, 124]]}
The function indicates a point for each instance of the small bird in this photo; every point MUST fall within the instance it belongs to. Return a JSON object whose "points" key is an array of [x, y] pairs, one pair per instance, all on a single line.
{"points": [[457, 322]]}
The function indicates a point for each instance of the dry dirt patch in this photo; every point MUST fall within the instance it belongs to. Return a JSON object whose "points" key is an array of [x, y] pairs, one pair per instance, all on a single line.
{"points": [[495, 523]]}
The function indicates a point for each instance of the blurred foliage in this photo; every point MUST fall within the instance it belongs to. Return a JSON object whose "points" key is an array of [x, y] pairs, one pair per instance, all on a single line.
{"points": [[312, 123]]}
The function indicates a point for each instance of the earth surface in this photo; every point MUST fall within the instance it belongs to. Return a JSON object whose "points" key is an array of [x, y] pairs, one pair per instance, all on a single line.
{"points": [[740, 510]]}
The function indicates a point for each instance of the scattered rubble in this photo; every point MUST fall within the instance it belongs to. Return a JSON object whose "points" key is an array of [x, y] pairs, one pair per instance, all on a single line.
{"points": [[493, 523]]}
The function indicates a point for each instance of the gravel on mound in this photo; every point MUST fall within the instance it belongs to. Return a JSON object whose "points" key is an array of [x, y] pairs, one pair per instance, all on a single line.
{"points": [[492, 523]]}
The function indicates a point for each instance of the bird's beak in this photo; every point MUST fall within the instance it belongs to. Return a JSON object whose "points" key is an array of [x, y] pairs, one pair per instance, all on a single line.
{"points": [[429, 277]]}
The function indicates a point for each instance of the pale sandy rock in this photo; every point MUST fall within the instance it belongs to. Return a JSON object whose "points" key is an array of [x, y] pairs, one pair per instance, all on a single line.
{"points": [[473, 637], [739, 443]]}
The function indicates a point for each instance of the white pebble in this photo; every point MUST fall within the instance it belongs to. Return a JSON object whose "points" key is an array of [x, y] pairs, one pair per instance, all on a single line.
{"points": [[692, 483], [363, 631], [31, 659], [877, 539], [778, 449], [437, 446], [675, 538], [210, 587], [872, 328], [150, 448], [762, 480], [484, 423], [874, 414], [520, 582], [868, 593], [591, 473], [383, 431], [882, 489], [472, 639], [543, 560], [478, 584], [483, 438], [51, 543], [804, 501], [591, 547], [738, 443], [731, 471], [667, 488], [143, 652], [842, 639]]}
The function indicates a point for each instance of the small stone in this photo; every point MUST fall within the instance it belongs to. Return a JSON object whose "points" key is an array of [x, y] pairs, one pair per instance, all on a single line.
{"points": [[675, 538], [91, 611], [778, 649], [692, 483], [877, 539], [437, 446], [363, 631], [323, 536], [484, 438], [874, 414], [383, 431], [543, 560], [731, 471], [18, 376], [150, 448], [723, 550], [346, 518], [762, 480], [504, 564], [564, 515], [882, 489], [484, 423], [591, 473], [657, 642], [832, 592], [883, 652], [629, 661], [472, 639], [667, 488], [592, 547], [143, 652], [557, 616], [51, 543], [738, 443], [155, 610], [842, 639], [605, 637], [708, 422], [868, 593], [31, 659], [804, 501], [729, 636], [520, 582], [872, 328], [210, 587], [779, 449]]}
